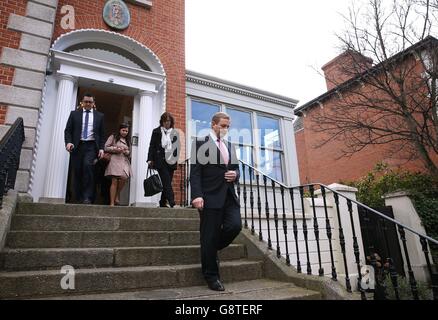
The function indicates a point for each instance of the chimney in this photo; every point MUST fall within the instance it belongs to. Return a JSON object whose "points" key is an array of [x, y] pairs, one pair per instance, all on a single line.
{"points": [[344, 67]]}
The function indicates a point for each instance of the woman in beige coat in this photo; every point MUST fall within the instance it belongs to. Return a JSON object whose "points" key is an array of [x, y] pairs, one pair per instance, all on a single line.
{"points": [[119, 167]]}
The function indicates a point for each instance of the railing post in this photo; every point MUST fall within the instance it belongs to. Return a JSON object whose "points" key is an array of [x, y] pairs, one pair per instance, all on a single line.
{"points": [[329, 233], [285, 226], [309, 268], [432, 272], [295, 229], [10, 151], [412, 281], [181, 183], [316, 230], [251, 198], [244, 197], [259, 208], [276, 219], [267, 212], [344, 248]]}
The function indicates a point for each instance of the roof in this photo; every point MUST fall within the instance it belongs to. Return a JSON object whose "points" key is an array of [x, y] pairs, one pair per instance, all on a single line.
{"points": [[353, 80], [241, 89]]}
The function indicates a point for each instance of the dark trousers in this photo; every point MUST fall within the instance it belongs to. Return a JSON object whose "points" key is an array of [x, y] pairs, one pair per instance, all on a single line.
{"points": [[166, 175], [83, 170], [218, 227]]}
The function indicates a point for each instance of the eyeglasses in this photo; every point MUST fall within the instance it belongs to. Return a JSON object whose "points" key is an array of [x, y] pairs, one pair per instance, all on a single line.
{"points": [[87, 101]]}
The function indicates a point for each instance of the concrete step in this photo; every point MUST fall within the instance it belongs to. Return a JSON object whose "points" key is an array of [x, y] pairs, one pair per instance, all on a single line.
{"points": [[99, 239], [260, 289], [104, 211], [48, 283], [83, 223], [44, 259]]}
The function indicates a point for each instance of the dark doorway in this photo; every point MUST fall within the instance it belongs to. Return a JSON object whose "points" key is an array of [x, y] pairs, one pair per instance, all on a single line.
{"points": [[380, 236], [117, 109]]}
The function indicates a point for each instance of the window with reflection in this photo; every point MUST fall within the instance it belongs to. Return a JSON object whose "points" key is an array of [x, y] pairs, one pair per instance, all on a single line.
{"points": [[259, 146], [202, 112]]}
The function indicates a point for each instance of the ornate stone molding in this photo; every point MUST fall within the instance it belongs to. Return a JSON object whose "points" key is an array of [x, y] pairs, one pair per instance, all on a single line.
{"points": [[239, 89]]}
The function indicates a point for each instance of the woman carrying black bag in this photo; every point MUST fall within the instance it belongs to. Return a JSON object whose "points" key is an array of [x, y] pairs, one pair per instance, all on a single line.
{"points": [[163, 155]]}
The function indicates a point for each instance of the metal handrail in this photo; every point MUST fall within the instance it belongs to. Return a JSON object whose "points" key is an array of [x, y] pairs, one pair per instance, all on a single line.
{"points": [[345, 197], [10, 150]]}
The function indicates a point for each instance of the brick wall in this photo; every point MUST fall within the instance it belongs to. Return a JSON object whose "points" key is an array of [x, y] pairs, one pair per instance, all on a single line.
{"points": [[9, 39], [161, 29], [325, 164]]}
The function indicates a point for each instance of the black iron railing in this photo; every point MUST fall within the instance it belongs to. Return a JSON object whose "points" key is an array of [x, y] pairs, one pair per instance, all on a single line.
{"points": [[184, 168], [10, 150], [322, 243]]}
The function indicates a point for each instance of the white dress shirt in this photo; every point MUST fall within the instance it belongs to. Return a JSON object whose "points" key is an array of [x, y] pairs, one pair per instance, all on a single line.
{"points": [[90, 132], [214, 137]]}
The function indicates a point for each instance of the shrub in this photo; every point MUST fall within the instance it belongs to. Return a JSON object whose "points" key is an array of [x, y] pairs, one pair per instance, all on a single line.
{"points": [[423, 190]]}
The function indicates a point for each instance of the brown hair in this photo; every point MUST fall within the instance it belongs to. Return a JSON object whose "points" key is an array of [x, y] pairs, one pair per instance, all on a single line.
{"points": [[218, 116], [165, 116]]}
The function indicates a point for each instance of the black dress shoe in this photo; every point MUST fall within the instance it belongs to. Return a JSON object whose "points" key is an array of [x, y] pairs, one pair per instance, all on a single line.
{"points": [[86, 202], [216, 285]]}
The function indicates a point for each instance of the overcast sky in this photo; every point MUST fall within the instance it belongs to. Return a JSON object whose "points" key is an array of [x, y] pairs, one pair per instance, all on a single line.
{"points": [[273, 45]]}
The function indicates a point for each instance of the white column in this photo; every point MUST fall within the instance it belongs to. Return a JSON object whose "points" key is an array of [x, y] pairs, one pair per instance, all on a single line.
{"points": [[56, 179], [146, 120], [405, 213]]}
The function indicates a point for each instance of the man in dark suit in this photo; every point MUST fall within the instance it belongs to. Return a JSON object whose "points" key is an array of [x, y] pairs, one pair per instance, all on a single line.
{"points": [[214, 171], [84, 139]]}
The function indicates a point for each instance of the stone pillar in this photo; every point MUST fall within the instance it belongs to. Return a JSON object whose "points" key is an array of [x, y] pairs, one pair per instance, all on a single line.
{"points": [[145, 126], [56, 179], [405, 213], [347, 231]]}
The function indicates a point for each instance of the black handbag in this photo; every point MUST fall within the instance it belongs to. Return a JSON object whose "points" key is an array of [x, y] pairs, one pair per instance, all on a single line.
{"points": [[152, 184]]}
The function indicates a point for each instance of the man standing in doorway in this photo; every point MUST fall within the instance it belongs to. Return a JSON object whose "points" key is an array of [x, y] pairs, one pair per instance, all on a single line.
{"points": [[84, 139], [215, 169]]}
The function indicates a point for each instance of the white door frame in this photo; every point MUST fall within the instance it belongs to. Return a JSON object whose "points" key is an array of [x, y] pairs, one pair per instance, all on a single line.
{"points": [[147, 106]]}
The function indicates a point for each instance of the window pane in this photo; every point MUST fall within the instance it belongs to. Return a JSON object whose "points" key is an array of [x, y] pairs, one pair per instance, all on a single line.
{"points": [[202, 113], [241, 127], [245, 154], [270, 164], [269, 132]]}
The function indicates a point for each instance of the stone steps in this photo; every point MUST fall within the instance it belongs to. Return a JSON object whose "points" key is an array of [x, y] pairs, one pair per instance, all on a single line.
{"points": [[23, 284], [260, 289], [50, 258], [83, 223], [99, 239], [123, 253], [104, 211]]}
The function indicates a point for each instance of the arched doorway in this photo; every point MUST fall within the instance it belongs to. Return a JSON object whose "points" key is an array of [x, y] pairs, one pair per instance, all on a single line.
{"points": [[110, 64]]}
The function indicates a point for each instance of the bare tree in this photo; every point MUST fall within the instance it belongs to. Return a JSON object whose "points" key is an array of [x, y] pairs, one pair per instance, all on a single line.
{"points": [[392, 100]]}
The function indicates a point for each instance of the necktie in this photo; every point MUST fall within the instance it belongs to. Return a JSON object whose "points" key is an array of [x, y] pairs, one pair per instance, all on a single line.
{"points": [[223, 150], [85, 132]]}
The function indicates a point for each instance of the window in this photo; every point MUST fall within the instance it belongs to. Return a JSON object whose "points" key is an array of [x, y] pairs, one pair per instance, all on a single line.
{"points": [[202, 113], [270, 150], [241, 134], [257, 137]]}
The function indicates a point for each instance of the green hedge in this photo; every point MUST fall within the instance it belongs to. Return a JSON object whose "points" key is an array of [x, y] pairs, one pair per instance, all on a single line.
{"points": [[423, 190]]}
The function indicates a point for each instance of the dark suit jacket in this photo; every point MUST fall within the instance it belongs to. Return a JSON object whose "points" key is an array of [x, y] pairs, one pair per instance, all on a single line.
{"points": [[158, 155], [73, 129], [208, 171]]}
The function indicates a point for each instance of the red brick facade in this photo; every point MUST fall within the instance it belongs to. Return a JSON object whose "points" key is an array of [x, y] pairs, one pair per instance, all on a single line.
{"points": [[161, 29], [324, 164], [8, 39]]}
